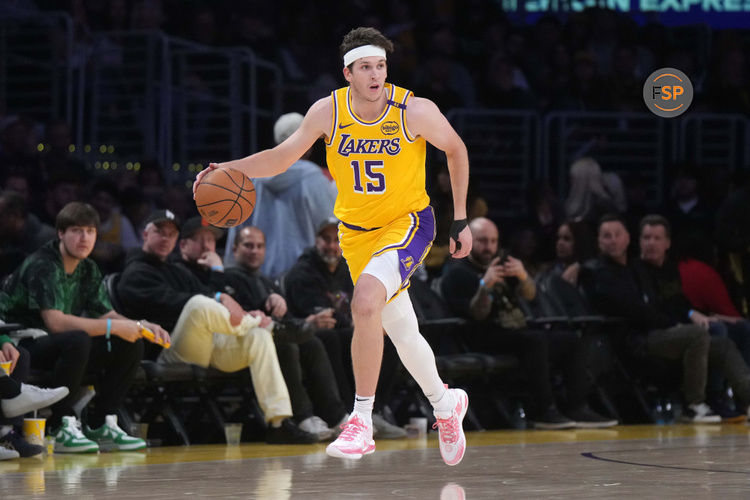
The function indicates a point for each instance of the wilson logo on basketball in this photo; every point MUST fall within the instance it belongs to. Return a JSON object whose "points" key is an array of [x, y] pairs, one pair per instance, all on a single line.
{"points": [[389, 128]]}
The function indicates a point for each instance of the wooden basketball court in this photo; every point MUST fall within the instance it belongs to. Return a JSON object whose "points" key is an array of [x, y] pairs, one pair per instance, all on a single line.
{"points": [[689, 461]]}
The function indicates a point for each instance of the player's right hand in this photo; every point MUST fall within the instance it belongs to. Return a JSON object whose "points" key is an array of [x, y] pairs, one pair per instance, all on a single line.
{"points": [[202, 173], [465, 239]]}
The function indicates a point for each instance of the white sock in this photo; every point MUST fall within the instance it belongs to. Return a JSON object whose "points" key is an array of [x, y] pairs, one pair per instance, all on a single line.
{"points": [[5, 429], [400, 323], [443, 405], [363, 406]]}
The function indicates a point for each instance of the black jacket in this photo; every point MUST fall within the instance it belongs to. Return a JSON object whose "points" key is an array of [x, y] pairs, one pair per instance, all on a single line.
{"points": [[460, 282], [626, 292], [249, 289], [212, 279], [311, 287], [155, 290], [668, 296]]}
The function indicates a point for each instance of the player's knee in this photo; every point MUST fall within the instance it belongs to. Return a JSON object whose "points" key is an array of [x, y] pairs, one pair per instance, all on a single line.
{"points": [[369, 298], [364, 307]]}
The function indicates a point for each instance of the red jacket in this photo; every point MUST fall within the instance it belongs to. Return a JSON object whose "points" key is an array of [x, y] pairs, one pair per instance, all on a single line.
{"points": [[704, 288]]}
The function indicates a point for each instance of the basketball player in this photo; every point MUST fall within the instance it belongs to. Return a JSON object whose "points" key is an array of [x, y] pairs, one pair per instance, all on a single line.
{"points": [[375, 135]]}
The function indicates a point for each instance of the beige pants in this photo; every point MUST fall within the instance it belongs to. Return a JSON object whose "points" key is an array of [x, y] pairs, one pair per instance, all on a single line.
{"points": [[204, 336]]}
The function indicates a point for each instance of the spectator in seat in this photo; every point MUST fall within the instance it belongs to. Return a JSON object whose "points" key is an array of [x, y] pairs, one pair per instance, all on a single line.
{"points": [[591, 195], [58, 293], [116, 234], [621, 288], [320, 281], [302, 355], [655, 241], [289, 206], [209, 328], [573, 247], [484, 287], [62, 189], [687, 211], [21, 233], [17, 398]]}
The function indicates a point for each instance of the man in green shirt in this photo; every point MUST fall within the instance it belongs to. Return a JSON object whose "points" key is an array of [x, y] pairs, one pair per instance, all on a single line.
{"points": [[60, 290]]}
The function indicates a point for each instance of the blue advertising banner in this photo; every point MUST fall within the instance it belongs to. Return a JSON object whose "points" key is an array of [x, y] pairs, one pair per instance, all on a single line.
{"points": [[716, 13]]}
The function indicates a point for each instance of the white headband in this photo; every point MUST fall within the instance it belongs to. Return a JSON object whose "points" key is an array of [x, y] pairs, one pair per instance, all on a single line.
{"points": [[363, 51]]}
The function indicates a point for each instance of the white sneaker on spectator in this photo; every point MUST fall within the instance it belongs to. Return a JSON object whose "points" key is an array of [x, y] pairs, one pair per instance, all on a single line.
{"points": [[700, 413], [6, 454], [340, 426], [383, 429], [31, 398], [316, 425], [70, 439]]}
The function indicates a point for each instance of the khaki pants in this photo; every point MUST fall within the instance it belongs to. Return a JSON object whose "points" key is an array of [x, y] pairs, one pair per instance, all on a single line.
{"points": [[204, 336]]}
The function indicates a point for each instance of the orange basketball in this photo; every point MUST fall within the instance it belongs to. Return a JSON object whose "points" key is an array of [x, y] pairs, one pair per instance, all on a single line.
{"points": [[225, 197]]}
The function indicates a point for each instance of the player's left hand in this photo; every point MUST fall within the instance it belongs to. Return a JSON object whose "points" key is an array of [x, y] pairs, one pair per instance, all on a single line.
{"points": [[464, 240]]}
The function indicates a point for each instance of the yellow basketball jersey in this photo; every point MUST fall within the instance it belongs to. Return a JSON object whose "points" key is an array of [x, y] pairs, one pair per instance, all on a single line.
{"points": [[378, 166]]}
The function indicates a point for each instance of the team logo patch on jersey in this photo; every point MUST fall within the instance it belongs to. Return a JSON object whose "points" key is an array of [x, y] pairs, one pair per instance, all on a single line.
{"points": [[389, 128], [407, 262]]}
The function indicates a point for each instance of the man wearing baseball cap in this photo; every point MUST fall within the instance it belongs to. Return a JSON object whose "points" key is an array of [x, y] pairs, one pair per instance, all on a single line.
{"points": [[197, 247], [209, 328]]}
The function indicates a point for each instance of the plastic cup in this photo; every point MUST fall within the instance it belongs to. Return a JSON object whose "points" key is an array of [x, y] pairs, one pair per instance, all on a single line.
{"points": [[5, 366], [33, 430], [49, 442], [139, 430], [421, 425], [412, 431], [232, 433]]}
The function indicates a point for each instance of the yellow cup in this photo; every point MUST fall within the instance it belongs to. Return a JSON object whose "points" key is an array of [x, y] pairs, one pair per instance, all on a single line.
{"points": [[5, 365], [50, 444], [33, 430]]}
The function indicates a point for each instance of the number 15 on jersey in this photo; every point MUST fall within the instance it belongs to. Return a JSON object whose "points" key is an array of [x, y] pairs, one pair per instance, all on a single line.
{"points": [[374, 179]]}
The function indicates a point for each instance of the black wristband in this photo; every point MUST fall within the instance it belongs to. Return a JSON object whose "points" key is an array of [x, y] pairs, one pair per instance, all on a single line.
{"points": [[456, 227]]}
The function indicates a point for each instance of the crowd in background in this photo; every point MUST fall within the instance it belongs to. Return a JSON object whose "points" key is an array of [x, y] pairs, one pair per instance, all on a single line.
{"points": [[461, 54], [468, 55]]}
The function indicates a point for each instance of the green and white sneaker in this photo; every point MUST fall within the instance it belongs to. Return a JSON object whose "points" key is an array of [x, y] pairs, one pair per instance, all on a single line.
{"points": [[111, 438], [70, 439]]}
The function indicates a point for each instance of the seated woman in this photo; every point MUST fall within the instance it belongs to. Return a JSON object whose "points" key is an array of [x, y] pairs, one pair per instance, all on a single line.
{"points": [[573, 247]]}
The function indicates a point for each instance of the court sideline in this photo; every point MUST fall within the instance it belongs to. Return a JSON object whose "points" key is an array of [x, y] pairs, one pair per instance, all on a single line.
{"points": [[690, 461]]}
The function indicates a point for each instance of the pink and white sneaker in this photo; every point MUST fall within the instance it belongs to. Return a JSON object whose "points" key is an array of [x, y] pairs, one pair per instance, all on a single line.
{"points": [[452, 438], [355, 439]]}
